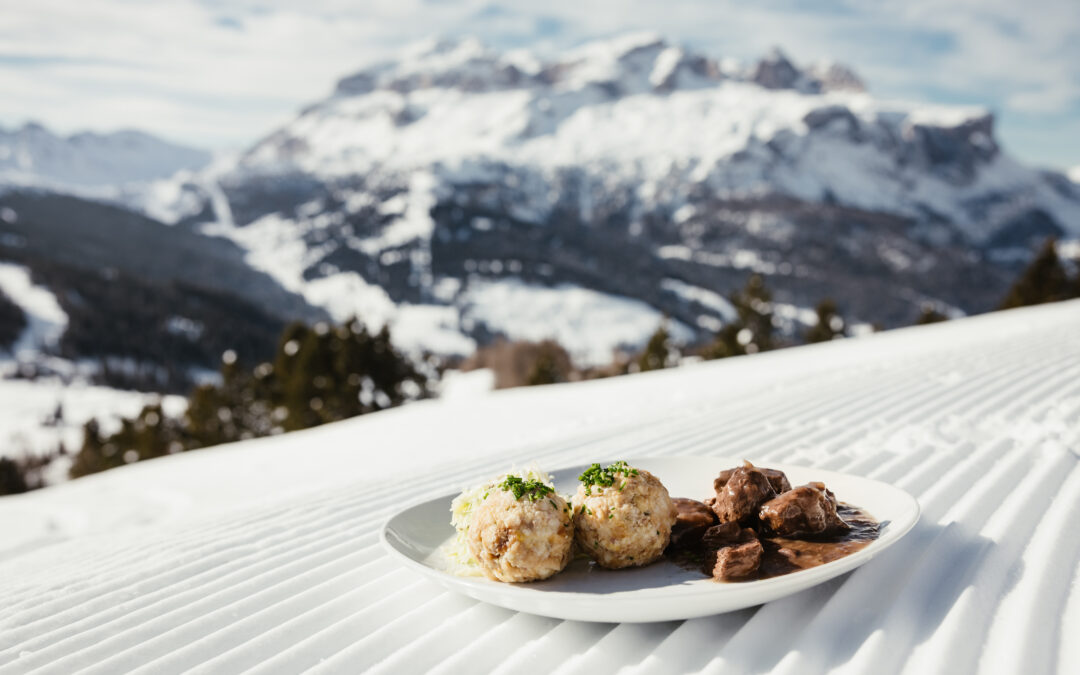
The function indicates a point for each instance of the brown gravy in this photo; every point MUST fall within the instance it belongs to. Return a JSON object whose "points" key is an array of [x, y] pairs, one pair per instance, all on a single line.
{"points": [[785, 555]]}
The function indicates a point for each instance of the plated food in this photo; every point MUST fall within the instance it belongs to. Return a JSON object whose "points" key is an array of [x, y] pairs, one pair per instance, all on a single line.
{"points": [[419, 537], [516, 528]]}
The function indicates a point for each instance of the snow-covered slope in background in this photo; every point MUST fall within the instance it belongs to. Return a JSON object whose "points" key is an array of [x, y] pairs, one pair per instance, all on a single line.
{"points": [[45, 319], [632, 168], [33, 155], [39, 416]]}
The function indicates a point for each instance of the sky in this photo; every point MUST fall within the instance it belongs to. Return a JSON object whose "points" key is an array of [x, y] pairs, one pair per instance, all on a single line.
{"points": [[221, 75]]}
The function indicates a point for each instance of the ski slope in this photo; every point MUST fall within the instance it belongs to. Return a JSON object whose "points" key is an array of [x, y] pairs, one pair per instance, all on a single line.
{"points": [[263, 556]]}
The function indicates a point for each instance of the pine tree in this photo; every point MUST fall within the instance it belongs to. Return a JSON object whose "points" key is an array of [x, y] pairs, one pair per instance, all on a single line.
{"points": [[657, 352], [543, 371], [241, 407], [1043, 280], [726, 343], [928, 315], [95, 455], [1072, 289], [12, 481], [150, 434], [313, 370], [754, 306], [551, 363], [830, 325], [752, 331], [12, 321]]}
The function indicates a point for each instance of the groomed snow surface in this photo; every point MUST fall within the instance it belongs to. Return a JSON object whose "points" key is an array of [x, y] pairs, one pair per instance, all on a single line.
{"points": [[263, 556]]}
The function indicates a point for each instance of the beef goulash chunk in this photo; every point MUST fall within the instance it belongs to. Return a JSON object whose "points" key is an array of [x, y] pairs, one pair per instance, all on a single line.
{"points": [[805, 510], [731, 552], [691, 521], [818, 485], [778, 479], [741, 493]]}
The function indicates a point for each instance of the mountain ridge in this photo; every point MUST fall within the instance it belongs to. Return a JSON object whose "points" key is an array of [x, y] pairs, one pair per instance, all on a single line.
{"points": [[32, 155], [430, 190]]}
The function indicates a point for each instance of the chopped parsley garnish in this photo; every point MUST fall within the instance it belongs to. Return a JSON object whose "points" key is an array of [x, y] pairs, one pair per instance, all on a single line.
{"points": [[595, 475], [533, 489]]}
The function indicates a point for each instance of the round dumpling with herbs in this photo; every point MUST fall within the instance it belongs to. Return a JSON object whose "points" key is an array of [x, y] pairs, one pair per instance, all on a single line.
{"points": [[520, 531], [622, 516]]}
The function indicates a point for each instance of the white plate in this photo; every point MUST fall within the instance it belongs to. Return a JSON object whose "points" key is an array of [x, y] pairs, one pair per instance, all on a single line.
{"points": [[661, 591]]}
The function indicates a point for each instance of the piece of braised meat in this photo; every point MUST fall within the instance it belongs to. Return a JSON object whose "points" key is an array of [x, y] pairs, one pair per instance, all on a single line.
{"points": [[804, 511], [691, 521], [778, 479], [726, 534], [818, 485], [740, 493], [731, 552]]}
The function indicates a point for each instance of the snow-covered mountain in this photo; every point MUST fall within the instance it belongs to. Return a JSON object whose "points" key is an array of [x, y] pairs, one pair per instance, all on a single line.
{"points": [[33, 155], [457, 191]]}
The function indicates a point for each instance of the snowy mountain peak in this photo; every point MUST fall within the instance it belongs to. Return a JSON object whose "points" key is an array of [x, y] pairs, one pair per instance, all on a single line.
{"points": [[34, 155], [633, 64], [775, 71], [836, 77], [624, 65], [464, 63], [619, 46]]}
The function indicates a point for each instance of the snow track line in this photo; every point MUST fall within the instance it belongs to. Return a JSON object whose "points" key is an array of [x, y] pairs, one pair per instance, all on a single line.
{"points": [[834, 632], [677, 650], [376, 646], [926, 594], [1009, 528], [236, 655], [498, 644], [632, 640], [480, 619], [559, 645], [365, 621]]}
